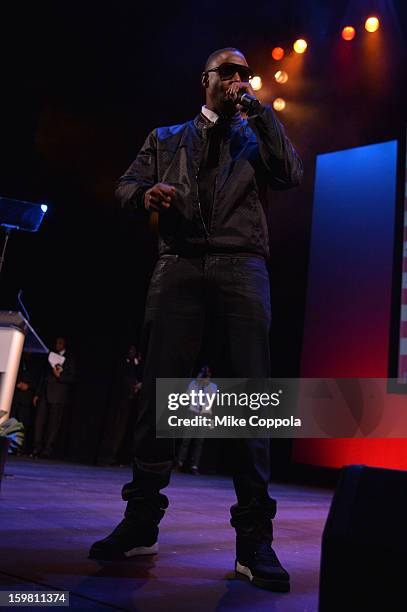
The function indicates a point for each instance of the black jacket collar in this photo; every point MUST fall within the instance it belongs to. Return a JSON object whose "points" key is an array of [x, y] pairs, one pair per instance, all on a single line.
{"points": [[231, 123]]}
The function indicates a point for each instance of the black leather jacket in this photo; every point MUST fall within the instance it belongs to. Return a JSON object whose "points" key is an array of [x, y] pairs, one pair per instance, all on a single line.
{"points": [[255, 157]]}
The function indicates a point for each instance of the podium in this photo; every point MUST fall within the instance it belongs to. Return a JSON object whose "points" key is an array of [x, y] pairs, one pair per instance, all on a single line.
{"points": [[16, 335], [16, 332]]}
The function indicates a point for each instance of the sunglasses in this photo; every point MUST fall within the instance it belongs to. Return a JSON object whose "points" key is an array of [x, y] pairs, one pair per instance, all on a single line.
{"points": [[228, 70]]}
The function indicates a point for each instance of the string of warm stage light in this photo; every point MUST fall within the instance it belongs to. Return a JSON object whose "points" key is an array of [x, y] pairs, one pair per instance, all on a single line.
{"points": [[348, 33], [372, 24]]}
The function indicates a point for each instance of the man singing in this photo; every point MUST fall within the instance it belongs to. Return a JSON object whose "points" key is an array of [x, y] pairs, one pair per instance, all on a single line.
{"points": [[210, 181]]}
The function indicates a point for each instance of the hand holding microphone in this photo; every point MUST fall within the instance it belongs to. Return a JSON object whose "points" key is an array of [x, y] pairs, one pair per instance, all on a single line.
{"points": [[242, 94]]}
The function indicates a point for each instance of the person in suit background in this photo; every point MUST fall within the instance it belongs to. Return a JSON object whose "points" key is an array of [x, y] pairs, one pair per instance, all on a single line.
{"points": [[119, 433], [51, 399], [194, 446]]}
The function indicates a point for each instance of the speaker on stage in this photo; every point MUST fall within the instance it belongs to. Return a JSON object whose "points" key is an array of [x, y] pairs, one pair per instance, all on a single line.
{"points": [[364, 543]]}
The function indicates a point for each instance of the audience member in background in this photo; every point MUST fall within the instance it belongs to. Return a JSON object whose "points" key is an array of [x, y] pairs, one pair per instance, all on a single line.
{"points": [[195, 445], [51, 399], [119, 434], [22, 407]]}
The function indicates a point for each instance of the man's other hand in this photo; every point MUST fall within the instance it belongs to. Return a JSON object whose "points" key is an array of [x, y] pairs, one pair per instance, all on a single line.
{"points": [[158, 197]]}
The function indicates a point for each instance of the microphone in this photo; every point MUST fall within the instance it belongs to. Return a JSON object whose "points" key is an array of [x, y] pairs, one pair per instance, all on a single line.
{"points": [[250, 104]]}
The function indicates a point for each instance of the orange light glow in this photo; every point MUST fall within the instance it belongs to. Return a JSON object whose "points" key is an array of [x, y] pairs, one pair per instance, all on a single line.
{"points": [[372, 24], [348, 33], [281, 76], [300, 45], [277, 53], [256, 83], [279, 104]]}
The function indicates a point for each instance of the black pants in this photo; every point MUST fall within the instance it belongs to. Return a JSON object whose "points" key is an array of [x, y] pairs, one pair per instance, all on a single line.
{"points": [[47, 425], [195, 447], [234, 292]]}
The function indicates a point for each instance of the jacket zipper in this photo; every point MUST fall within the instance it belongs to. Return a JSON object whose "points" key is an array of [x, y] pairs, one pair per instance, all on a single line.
{"points": [[200, 209], [215, 190], [197, 195], [210, 220]]}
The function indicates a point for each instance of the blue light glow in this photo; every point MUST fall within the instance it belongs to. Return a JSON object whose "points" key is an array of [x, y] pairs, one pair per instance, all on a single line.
{"points": [[44, 208]]}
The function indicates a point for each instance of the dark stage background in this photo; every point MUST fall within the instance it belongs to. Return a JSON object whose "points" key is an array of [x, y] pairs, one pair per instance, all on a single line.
{"points": [[83, 84]]}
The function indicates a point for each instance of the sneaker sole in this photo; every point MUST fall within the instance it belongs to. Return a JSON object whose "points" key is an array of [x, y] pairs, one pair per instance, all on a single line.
{"points": [[104, 555], [142, 550], [279, 586]]}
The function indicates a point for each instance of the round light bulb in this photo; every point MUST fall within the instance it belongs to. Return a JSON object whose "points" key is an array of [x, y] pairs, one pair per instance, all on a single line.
{"points": [[300, 45], [256, 83], [277, 53], [281, 76], [279, 104], [372, 24], [348, 33]]}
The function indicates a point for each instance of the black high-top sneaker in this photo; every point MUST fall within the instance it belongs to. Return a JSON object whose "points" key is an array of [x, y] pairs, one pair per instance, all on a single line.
{"points": [[129, 539], [260, 564], [137, 533]]}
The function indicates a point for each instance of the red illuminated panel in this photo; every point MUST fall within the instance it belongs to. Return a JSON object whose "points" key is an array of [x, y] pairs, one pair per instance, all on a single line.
{"points": [[348, 311]]}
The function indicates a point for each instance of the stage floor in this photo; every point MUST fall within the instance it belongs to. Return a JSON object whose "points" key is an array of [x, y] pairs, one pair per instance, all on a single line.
{"points": [[50, 513]]}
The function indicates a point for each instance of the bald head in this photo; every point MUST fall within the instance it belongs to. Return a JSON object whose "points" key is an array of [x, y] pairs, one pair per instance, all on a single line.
{"points": [[218, 56]]}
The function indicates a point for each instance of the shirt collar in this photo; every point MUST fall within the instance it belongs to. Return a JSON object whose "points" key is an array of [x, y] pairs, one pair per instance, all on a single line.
{"points": [[209, 114]]}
